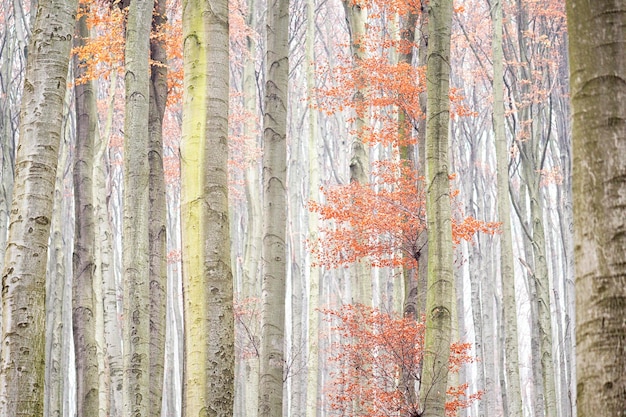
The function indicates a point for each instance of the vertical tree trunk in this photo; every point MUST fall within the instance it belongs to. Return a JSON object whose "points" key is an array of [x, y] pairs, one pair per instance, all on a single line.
{"points": [[136, 248], [83, 265], [507, 272], [598, 91], [24, 273], [208, 376], [252, 269], [441, 294], [157, 214], [57, 342], [532, 151], [274, 208], [105, 267], [356, 16], [314, 178]]}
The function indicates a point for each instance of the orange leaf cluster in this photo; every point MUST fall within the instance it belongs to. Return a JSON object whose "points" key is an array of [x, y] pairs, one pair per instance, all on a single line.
{"points": [[380, 355], [381, 221]]}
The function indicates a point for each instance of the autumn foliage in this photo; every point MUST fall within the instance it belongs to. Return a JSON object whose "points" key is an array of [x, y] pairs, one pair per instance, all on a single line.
{"points": [[381, 221], [378, 354]]}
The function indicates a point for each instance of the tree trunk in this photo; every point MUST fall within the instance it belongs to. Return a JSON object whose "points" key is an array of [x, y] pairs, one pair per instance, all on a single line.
{"points": [[83, 264], [157, 215], [208, 376], [507, 272], [274, 208], [136, 249], [441, 293], [57, 342], [598, 91], [24, 273]]}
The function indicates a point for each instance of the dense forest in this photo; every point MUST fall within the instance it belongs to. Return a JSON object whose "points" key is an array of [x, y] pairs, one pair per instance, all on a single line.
{"points": [[313, 208]]}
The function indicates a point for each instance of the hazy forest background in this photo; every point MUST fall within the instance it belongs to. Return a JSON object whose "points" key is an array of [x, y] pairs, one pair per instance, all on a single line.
{"points": [[313, 208]]}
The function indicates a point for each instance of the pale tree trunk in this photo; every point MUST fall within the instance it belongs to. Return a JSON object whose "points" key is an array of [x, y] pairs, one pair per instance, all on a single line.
{"points": [[598, 91], [361, 275], [135, 257], [208, 376], [536, 388], [314, 178], [7, 145], [57, 342], [441, 293], [507, 272], [83, 265], [275, 211], [532, 153], [157, 215], [251, 288], [24, 273], [105, 268]]}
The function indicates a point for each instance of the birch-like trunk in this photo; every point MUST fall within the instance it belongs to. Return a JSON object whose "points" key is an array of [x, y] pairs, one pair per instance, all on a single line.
{"points": [[24, 273], [208, 376], [441, 293], [598, 91]]}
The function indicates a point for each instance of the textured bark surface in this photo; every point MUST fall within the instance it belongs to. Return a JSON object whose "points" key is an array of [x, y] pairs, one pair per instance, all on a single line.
{"points": [[598, 91], [24, 272], [135, 256], [272, 359], [83, 263], [157, 216], [440, 296], [208, 380], [507, 273]]}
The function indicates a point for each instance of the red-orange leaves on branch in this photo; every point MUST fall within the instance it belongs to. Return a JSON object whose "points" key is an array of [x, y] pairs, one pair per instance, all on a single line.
{"points": [[380, 222], [379, 352]]}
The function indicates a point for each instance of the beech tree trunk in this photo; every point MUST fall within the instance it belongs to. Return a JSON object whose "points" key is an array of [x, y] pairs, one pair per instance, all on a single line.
{"points": [[208, 376], [598, 91], [24, 272], [272, 358], [507, 272], [157, 215], [136, 248], [312, 403], [441, 294], [83, 263]]}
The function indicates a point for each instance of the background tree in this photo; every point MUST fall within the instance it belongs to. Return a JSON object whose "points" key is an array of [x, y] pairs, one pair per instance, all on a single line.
{"points": [[24, 271], [598, 85]]}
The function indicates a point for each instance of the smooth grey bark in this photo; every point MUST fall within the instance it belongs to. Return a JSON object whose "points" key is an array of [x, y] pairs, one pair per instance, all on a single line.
{"points": [[83, 259], [440, 298], [598, 95], [57, 303], [24, 272], [272, 358], [137, 358], [157, 216], [507, 272]]}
